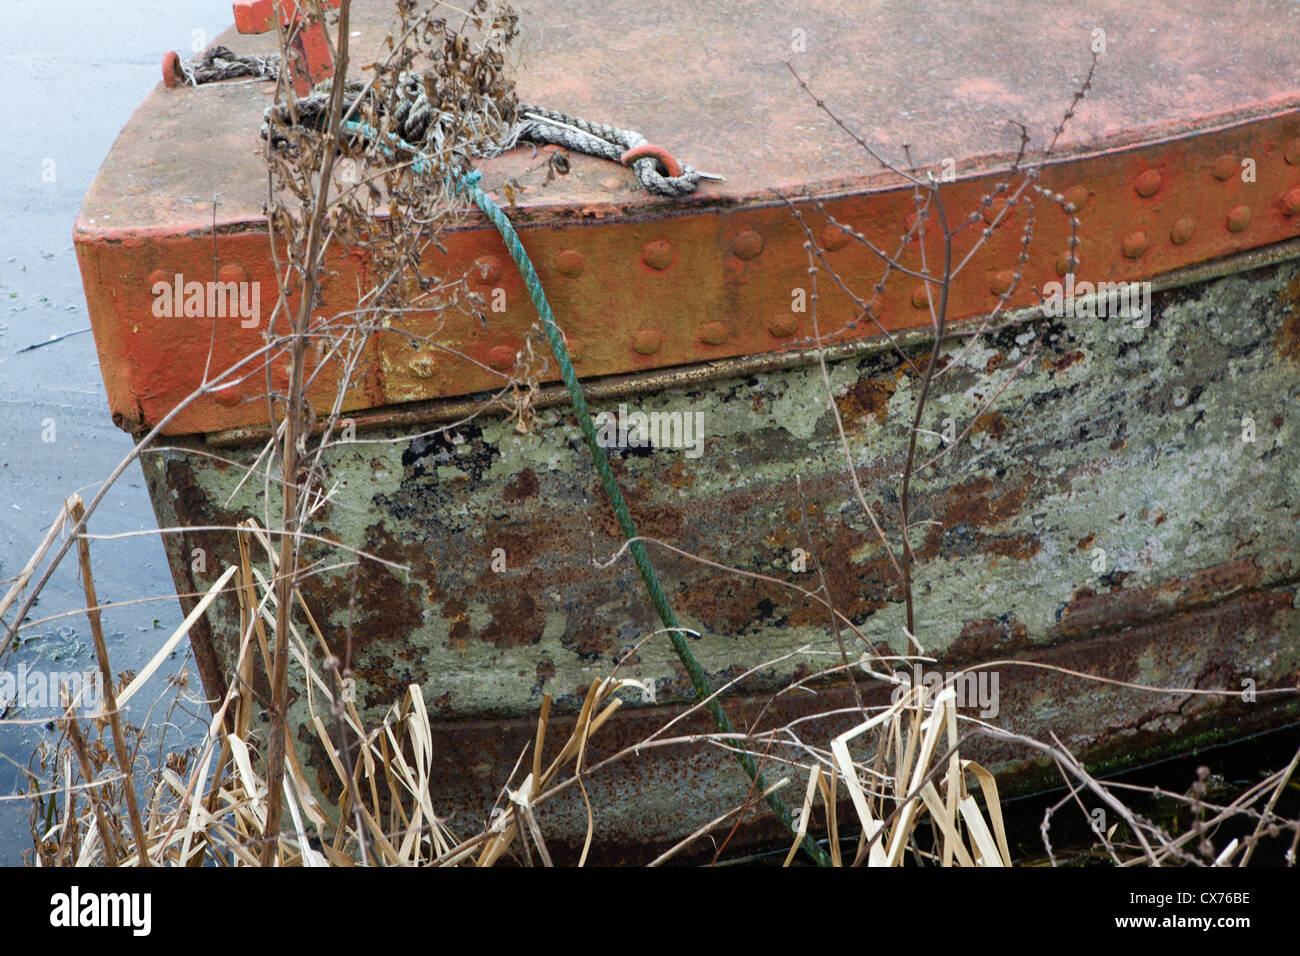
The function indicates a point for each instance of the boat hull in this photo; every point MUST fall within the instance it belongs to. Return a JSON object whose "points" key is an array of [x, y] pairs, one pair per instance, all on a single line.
{"points": [[1127, 509]]}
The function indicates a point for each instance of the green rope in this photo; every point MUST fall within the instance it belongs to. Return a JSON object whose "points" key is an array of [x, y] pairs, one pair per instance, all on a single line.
{"points": [[699, 679]]}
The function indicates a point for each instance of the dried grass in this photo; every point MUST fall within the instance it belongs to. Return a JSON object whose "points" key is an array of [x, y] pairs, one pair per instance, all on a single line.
{"points": [[891, 807], [388, 807]]}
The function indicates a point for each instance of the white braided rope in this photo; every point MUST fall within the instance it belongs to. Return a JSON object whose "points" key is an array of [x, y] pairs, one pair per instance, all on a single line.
{"points": [[218, 63], [549, 127]]}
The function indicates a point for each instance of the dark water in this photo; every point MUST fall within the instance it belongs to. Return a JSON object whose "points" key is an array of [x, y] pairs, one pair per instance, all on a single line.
{"points": [[74, 71]]}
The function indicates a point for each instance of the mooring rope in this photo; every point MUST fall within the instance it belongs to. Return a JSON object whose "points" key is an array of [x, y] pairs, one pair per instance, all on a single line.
{"points": [[419, 122], [218, 63], [703, 687], [549, 127], [699, 679]]}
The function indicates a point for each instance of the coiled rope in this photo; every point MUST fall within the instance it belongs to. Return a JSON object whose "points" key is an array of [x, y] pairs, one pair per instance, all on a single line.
{"points": [[470, 183]]}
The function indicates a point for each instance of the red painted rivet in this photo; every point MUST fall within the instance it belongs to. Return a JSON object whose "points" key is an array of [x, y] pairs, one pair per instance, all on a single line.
{"points": [[1290, 202], [422, 366], [501, 357], [658, 254], [1239, 219], [919, 298], [1136, 243], [1065, 264], [1001, 282], [996, 209], [647, 341], [235, 273], [1076, 197], [158, 275], [783, 325], [713, 333], [1182, 231], [747, 245], [1223, 168], [228, 396], [833, 237], [570, 263], [1291, 152], [487, 269], [1148, 184]]}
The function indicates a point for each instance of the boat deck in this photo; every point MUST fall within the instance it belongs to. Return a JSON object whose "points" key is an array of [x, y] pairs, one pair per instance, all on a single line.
{"points": [[709, 83], [1152, 161]]}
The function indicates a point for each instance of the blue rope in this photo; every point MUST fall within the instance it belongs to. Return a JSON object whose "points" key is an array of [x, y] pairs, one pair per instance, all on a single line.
{"points": [[469, 182]]}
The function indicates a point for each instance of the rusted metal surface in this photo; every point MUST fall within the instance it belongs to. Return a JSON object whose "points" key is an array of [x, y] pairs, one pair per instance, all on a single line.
{"points": [[1115, 437], [646, 802], [1153, 161], [424, 413], [1109, 516]]}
